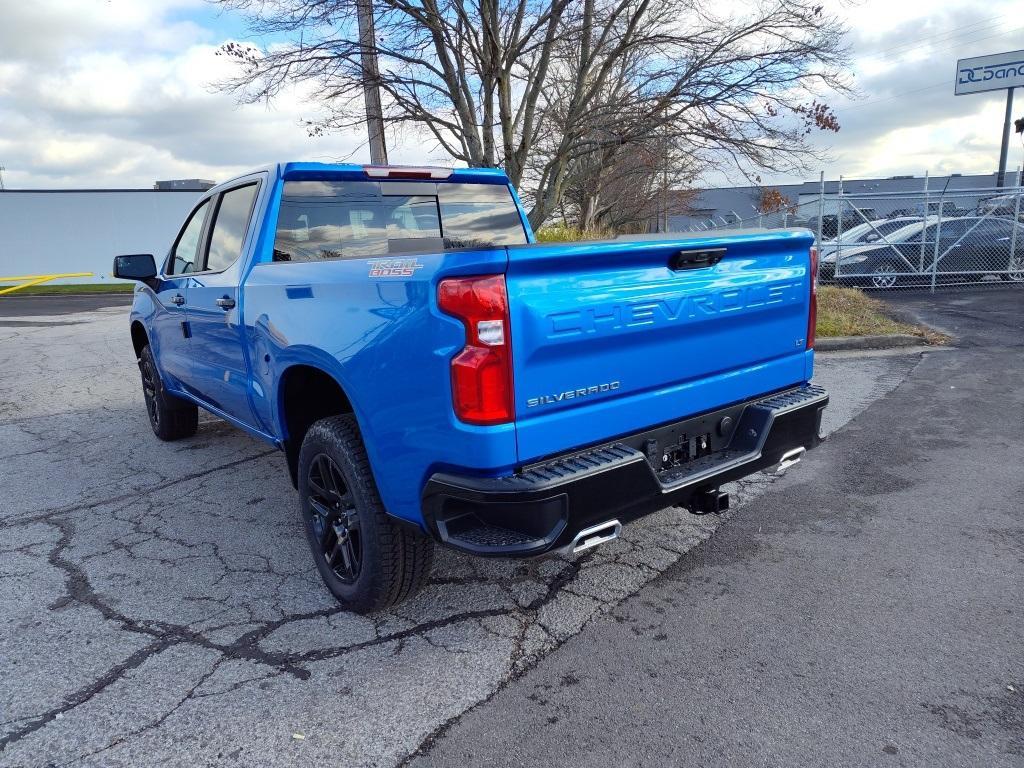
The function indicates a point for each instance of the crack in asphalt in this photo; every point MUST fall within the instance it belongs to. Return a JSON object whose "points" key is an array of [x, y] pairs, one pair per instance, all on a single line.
{"points": [[190, 694], [46, 514], [164, 635], [246, 647], [168, 635], [82, 695], [523, 663], [146, 531]]}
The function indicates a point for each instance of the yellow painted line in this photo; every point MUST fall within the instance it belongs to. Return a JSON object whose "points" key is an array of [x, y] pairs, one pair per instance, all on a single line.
{"points": [[25, 281]]}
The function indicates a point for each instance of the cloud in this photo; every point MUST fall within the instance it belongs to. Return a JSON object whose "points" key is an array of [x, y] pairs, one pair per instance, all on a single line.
{"points": [[906, 118], [47, 31], [115, 93], [125, 99]]}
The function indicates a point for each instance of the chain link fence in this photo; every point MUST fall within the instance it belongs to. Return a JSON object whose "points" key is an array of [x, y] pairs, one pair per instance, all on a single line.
{"points": [[923, 239]]}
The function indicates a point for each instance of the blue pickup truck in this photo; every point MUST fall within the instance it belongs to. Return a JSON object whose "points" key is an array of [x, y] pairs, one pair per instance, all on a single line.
{"points": [[433, 374]]}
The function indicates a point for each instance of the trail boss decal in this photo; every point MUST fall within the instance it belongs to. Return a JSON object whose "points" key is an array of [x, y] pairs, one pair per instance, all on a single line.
{"points": [[394, 267], [572, 394]]}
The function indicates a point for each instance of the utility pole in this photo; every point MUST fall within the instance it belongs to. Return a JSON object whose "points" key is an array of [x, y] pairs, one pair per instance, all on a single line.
{"points": [[1004, 148], [664, 188], [371, 87], [995, 72], [664, 174]]}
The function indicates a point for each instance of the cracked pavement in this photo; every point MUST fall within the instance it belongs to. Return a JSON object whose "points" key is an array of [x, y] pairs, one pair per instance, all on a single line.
{"points": [[159, 604]]}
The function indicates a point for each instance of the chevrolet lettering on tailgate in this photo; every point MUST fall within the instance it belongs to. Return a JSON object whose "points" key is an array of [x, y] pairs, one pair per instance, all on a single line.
{"points": [[608, 318]]}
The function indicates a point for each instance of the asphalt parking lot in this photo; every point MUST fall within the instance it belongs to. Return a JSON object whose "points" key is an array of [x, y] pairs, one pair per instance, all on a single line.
{"points": [[158, 603], [865, 611]]}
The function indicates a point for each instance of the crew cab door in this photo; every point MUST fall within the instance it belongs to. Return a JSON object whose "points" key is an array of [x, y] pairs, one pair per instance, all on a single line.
{"points": [[991, 242], [219, 370], [957, 247], [170, 329]]}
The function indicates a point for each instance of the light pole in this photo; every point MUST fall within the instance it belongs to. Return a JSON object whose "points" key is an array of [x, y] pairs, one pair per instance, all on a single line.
{"points": [[371, 83], [1005, 146], [995, 72]]}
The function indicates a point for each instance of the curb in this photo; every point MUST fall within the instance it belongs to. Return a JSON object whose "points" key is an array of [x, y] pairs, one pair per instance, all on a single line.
{"points": [[66, 295], [891, 341]]}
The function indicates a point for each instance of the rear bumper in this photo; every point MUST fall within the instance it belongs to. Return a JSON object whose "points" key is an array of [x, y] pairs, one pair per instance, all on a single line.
{"points": [[544, 506]]}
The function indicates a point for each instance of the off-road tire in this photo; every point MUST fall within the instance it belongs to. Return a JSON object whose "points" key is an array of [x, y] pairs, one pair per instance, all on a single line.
{"points": [[170, 417], [394, 561]]}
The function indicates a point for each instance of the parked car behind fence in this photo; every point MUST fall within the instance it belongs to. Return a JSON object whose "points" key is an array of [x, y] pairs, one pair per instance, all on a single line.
{"points": [[868, 232], [953, 234], [951, 250], [1002, 206]]}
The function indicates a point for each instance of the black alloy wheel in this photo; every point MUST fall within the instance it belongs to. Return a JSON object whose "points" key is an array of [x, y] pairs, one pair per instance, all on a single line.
{"points": [[335, 519], [366, 558], [170, 417], [149, 387]]}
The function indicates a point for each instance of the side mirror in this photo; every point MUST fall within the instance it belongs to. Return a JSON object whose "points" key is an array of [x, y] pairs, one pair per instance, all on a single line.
{"points": [[136, 266]]}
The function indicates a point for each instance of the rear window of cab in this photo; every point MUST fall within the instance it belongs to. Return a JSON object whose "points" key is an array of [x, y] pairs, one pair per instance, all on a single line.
{"points": [[323, 220]]}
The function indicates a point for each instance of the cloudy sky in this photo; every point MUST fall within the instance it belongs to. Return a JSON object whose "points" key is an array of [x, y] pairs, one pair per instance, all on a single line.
{"points": [[117, 93]]}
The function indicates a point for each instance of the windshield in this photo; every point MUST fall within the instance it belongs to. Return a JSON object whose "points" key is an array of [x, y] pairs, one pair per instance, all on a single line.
{"points": [[885, 228], [876, 230]]}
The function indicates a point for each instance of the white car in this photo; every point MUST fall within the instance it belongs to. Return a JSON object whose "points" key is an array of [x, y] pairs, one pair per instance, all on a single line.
{"points": [[866, 233]]}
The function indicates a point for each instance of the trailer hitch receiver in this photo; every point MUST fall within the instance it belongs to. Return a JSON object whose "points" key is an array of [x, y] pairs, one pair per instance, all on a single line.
{"points": [[709, 500]]}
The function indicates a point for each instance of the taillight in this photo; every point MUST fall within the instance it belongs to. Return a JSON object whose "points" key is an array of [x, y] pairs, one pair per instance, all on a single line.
{"points": [[482, 371], [812, 318]]}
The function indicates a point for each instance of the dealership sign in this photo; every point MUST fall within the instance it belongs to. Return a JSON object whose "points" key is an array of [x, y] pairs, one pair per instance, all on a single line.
{"points": [[990, 73]]}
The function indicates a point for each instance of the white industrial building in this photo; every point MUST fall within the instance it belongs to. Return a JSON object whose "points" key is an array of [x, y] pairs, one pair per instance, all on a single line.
{"points": [[50, 231]]}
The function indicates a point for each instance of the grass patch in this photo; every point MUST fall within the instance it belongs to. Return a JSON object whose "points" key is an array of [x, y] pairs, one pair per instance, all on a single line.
{"points": [[558, 233], [60, 290], [851, 312]]}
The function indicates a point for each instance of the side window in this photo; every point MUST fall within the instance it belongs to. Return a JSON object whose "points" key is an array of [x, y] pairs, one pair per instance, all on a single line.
{"points": [[928, 233], [888, 227], [956, 228], [229, 227], [993, 229], [183, 257]]}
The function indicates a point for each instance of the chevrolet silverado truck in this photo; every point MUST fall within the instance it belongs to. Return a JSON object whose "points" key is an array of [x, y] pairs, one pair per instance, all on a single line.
{"points": [[434, 374]]}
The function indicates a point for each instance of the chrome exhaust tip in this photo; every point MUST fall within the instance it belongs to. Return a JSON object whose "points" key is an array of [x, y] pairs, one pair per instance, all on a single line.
{"points": [[591, 537], [789, 458]]}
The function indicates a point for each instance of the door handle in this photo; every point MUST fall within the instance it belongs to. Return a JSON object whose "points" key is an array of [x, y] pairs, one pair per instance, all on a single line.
{"points": [[177, 299], [706, 257], [225, 303]]}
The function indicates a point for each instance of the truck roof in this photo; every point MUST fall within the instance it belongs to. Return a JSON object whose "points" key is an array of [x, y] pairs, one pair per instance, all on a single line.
{"points": [[302, 170]]}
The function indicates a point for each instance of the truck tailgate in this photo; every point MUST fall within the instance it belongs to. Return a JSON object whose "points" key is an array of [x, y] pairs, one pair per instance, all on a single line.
{"points": [[615, 336]]}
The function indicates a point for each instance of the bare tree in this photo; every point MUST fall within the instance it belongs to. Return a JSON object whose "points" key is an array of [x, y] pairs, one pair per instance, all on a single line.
{"points": [[524, 84], [611, 190], [618, 180]]}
